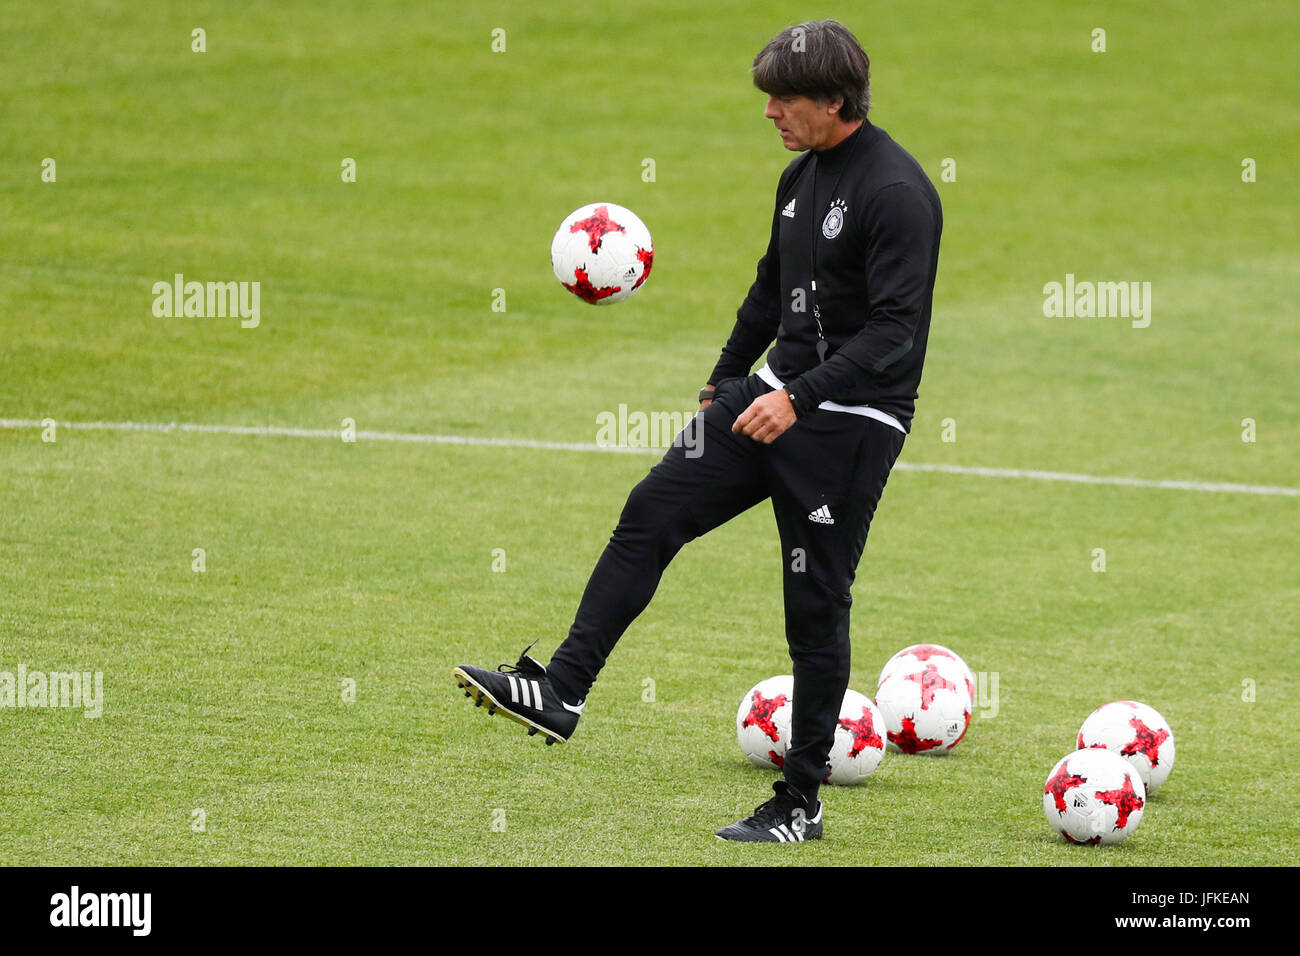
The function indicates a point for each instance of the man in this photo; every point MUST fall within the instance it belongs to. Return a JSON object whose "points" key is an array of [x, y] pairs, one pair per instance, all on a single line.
{"points": [[845, 289]]}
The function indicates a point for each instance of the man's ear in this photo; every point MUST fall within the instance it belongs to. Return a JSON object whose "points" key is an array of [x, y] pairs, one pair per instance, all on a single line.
{"points": [[835, 105]]}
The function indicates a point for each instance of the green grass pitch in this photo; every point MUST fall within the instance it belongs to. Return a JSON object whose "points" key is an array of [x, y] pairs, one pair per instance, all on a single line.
{"points": [[293, 703]]}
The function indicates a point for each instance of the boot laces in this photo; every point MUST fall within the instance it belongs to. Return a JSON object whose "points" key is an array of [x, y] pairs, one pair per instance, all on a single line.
{"points": [[525, 664]]}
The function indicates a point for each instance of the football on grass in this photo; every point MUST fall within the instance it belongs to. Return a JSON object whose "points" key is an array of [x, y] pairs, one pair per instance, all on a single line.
{"points": [[1137, 733], [926, 705], [602, 253], [763, 721], [859, 741], [1094, 797]]}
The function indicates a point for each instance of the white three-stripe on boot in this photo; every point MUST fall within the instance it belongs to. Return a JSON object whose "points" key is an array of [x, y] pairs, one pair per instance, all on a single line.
{"points": [[530, 691], [783, 834]]}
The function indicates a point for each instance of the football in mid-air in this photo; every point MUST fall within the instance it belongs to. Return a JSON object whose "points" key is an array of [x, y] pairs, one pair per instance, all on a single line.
{"points": [[763, 721], [926, 707], [1093, 797], [859, 740], [602, 253], [1137, 733]]}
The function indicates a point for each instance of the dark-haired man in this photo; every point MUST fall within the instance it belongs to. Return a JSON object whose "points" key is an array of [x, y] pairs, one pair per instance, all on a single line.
{"points": [[845, 291]]}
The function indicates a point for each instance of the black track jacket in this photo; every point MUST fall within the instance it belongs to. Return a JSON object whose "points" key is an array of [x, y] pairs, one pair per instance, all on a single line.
{"points": [[871, 219]]}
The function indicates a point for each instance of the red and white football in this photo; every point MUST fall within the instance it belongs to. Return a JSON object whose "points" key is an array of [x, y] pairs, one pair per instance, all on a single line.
{"points": [[602, 253], [1137, 733]]}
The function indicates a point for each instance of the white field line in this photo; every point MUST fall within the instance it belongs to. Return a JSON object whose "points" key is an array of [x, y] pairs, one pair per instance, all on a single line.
{"points": [[424, 439]]}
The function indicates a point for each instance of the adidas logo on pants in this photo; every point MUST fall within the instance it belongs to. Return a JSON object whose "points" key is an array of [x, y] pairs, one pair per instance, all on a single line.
{"points": [[822, 516]]}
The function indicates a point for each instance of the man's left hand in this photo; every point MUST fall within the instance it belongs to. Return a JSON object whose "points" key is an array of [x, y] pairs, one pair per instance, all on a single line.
{"points": [[767, 417]]}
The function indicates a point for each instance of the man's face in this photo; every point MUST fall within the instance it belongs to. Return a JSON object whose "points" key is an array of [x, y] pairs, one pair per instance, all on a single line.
{"points": [[802, 122]]}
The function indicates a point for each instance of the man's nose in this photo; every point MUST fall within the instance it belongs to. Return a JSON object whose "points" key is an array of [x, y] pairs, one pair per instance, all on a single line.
{"points": [[772, 111]]}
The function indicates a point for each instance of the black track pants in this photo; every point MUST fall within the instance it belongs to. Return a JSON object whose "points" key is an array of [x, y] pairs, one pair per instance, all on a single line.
{"points": [[831, 466]]}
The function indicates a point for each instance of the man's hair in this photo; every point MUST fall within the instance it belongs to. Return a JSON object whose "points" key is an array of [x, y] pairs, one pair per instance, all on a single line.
{"points": [[821, 60]]}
